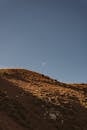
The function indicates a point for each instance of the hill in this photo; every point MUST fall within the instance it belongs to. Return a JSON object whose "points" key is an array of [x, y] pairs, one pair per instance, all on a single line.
{"points": [[32, 101]]}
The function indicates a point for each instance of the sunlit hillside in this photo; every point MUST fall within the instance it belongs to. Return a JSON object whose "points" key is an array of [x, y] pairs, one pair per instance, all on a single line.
{"points": [[33, 101]]}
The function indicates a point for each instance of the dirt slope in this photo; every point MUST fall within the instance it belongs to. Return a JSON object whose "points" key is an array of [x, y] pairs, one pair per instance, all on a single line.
{"points": [[31, 101]]}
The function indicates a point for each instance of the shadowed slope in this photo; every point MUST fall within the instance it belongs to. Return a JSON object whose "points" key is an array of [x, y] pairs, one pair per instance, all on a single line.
{"points": [[31, 101]]}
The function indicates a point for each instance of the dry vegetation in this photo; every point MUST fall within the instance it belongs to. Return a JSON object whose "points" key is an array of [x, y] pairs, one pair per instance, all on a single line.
{"points": [[31, 101]]}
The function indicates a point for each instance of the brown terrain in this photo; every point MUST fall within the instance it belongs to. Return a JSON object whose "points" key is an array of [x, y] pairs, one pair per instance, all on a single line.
{"points": [[32, 101]]}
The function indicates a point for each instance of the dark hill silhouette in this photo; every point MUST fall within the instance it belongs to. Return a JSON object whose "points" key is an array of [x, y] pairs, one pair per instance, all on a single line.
{"points": [[32, 101]]}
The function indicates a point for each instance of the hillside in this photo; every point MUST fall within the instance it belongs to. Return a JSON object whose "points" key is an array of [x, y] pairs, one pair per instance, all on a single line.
{"points": [[32, 101]]}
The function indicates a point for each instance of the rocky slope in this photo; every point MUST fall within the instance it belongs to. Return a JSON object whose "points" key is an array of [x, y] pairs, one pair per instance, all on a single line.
{"points": [[32, 101]]}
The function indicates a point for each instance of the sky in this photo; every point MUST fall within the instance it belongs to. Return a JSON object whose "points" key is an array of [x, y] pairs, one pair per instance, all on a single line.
{"points": [[46, 36]]}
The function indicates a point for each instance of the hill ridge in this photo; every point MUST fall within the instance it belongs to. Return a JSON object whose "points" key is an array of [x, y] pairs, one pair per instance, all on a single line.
{"points": [[32, 101]]}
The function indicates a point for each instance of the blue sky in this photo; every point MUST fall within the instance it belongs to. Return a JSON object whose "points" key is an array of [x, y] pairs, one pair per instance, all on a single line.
{"points": [[47, 36]]}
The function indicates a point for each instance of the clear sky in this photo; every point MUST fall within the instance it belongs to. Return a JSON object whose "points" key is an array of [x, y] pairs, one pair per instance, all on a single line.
{"points": [[47, 36]]}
